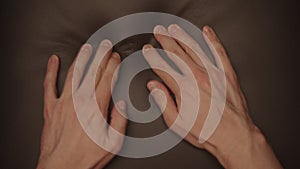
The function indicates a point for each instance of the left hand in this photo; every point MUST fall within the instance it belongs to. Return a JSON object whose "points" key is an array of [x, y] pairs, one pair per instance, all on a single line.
{"points": [[64, 143]]}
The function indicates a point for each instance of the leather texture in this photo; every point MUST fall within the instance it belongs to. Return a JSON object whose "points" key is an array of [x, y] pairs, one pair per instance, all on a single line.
{"points": [[260, 37]]}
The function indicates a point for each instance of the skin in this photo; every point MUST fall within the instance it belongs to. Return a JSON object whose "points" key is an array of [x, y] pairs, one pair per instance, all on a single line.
{"points": [[236, 142], [64, 144]]}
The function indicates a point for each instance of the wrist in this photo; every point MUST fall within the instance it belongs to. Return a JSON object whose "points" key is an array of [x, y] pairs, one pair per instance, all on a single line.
{"points": [[243, 152], [246, 147]]}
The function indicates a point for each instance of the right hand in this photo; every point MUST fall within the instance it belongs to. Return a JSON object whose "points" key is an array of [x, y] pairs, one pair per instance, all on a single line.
{"points": [[236, 142]]}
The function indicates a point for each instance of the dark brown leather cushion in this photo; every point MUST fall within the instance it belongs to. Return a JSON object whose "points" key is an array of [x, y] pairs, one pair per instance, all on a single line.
{"points": [[260, 37]]}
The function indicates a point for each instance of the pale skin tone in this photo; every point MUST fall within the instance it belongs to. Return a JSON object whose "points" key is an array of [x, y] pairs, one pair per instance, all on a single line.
{"points": [[236, 143], [64, 144]]}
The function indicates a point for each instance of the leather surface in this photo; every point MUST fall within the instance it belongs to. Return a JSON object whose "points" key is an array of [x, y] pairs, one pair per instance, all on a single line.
{"points": [[260, 37]]}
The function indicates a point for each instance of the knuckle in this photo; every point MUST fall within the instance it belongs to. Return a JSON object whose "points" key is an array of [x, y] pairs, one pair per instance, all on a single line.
{"points": [[49, 109], [177, 51], [222, 51], [197, 71], [116, 57], [168, 120], [202, 79], [45, 84], [233, 77], [77, 70], [106, 76], [46, 114]]}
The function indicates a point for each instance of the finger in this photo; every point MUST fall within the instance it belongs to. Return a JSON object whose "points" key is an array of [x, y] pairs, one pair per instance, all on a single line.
{"points": [[105, 86], [218, 51], [77, 68], [80, 64], [92, 77], [105, 48], [189, 45], [50, 90], [169, 44], [118, 117], [166, 73], [118, 126], [164, 101]]}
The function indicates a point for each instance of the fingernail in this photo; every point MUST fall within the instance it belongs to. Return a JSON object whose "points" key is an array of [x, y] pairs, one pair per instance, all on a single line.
{"points": [[106, 43], [116, 55], [53, 59], [146, 48], [121, 104], [151, 85], [174, 28], [86, 48], [208, 29], [159, 29]]}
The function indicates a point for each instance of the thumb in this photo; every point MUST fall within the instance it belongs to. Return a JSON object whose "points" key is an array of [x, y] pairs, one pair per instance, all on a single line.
{"points": [[164, 101]]}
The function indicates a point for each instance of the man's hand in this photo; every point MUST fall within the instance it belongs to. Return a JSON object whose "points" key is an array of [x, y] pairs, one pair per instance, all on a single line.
{"points": [[64, 144], [236, 142]]}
